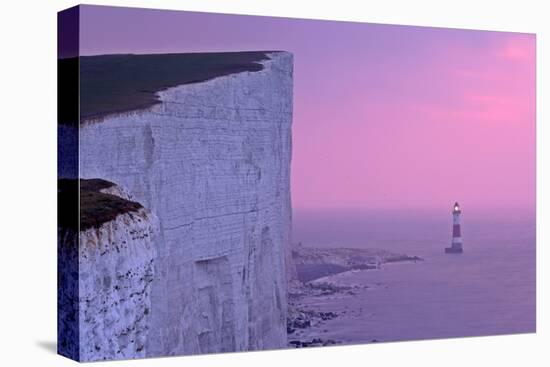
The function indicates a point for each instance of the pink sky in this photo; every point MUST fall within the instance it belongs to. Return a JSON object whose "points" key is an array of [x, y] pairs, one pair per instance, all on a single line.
{"points": [[384, 116], [457, 125]]}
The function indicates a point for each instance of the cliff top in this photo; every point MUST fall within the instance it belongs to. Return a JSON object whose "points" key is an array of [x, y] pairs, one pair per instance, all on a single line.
{"points": [[96, 207], [120, 83]]}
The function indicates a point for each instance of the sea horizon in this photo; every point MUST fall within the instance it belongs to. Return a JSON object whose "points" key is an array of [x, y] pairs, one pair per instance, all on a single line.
{"points": [[360, 227]]}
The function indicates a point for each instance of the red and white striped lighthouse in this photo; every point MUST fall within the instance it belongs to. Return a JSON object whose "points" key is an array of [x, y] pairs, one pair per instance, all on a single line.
{"points": [[456, 244]]}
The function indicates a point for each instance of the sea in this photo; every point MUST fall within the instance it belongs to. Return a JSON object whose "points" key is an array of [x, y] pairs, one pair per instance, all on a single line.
{"points": [[487, 290]]}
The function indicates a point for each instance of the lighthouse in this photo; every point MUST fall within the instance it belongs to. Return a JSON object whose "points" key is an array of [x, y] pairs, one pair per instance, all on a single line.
{"points": [[456, 244]]}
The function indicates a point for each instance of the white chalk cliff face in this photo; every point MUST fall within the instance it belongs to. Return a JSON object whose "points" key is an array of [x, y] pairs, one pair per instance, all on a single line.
{"points": [[212, 162], [116, 271], [105, 274]]}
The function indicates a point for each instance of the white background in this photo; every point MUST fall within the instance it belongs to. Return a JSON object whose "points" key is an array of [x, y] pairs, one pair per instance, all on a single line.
{"points": [[28, 182]]}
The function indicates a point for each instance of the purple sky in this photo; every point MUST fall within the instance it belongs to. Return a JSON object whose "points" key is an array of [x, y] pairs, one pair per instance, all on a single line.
{"points": [[384, 116]]}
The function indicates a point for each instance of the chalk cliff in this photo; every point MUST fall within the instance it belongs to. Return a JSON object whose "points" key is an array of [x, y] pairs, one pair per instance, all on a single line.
{"points": [[116, 271], [106, 270], [212, 162]]}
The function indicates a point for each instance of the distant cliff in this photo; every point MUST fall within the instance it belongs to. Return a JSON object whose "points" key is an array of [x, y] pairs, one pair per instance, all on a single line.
{"points": [[211, 160]]}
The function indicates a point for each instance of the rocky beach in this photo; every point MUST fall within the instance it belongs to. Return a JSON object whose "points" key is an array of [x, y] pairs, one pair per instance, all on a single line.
{"points": [[326, 276]]}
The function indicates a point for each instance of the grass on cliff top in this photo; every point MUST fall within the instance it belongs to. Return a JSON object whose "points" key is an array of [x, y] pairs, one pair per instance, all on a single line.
{"points": [[121, 83], [96, 207], [95, 184]]}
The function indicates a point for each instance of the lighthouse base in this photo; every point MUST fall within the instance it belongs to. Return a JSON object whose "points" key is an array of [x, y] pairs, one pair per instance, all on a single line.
{"points": [[453, 250]]}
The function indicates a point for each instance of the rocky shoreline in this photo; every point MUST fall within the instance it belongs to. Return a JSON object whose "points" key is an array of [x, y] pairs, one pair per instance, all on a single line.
{"points": [[301, 318], [317, 272], [313, 263]]}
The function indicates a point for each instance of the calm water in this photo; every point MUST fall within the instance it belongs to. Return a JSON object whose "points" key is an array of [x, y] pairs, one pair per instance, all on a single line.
{"points": [[488, 290]]}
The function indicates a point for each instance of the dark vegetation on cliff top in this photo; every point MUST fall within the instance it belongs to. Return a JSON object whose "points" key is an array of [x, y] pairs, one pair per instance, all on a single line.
{"points": [[96, 207], [121, 83]]}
